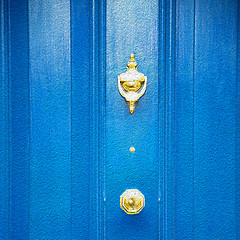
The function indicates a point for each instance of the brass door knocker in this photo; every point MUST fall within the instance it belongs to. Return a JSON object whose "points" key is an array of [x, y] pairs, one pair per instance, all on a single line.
{"points": [[132, 84]]}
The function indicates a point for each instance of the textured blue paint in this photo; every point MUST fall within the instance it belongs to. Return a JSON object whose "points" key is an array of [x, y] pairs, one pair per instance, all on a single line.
{"points": [[80, 111], [50, 88], [19, 119], [215, 119], [4, 125], [184, 117], [97, 118], [162, 120], [237, 136], [167, 168], [132, 27], [66, 130], [205, 196]]}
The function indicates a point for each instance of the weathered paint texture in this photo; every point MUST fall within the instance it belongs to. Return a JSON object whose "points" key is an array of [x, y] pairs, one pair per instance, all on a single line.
{"points": [[65, 131]]}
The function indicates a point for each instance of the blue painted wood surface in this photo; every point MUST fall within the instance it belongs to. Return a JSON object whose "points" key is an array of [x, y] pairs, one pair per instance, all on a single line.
{"points": [[50, 107], [215, 119], [127, 32], [80, 117], [184, 104], [19, 122], [4, 126], [15, 127], [206, 120], [66, 131]]}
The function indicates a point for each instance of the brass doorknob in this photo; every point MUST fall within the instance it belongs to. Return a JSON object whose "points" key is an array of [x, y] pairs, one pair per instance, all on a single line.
{"points": [[132, 201]]}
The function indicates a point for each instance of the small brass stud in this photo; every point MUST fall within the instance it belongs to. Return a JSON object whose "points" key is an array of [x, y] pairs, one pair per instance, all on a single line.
{"points": [[132, 149]]}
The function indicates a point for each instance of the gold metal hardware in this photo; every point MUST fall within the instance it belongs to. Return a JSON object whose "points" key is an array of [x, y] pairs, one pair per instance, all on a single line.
{"points": [[132, 201], [132, 149], [132, 84]]}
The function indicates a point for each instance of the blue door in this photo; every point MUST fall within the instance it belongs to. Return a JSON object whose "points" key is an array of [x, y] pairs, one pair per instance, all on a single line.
{"points": [[69, 146]]}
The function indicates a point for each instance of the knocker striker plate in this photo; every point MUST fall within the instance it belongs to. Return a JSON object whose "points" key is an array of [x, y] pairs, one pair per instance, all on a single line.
{"points": [[132, 84]]}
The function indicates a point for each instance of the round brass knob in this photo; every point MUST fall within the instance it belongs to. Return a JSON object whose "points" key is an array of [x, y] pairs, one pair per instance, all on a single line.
{"points": [[132, 201]]}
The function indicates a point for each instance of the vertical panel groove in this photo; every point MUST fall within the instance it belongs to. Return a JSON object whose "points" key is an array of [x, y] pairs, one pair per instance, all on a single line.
{"points": [[193, 121], [237, 138], [184, 120], [4, 125], [97, 119], [102, 105], [161, 116], [168, 166], [19, 120], [71, 117], [81, 38]]}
